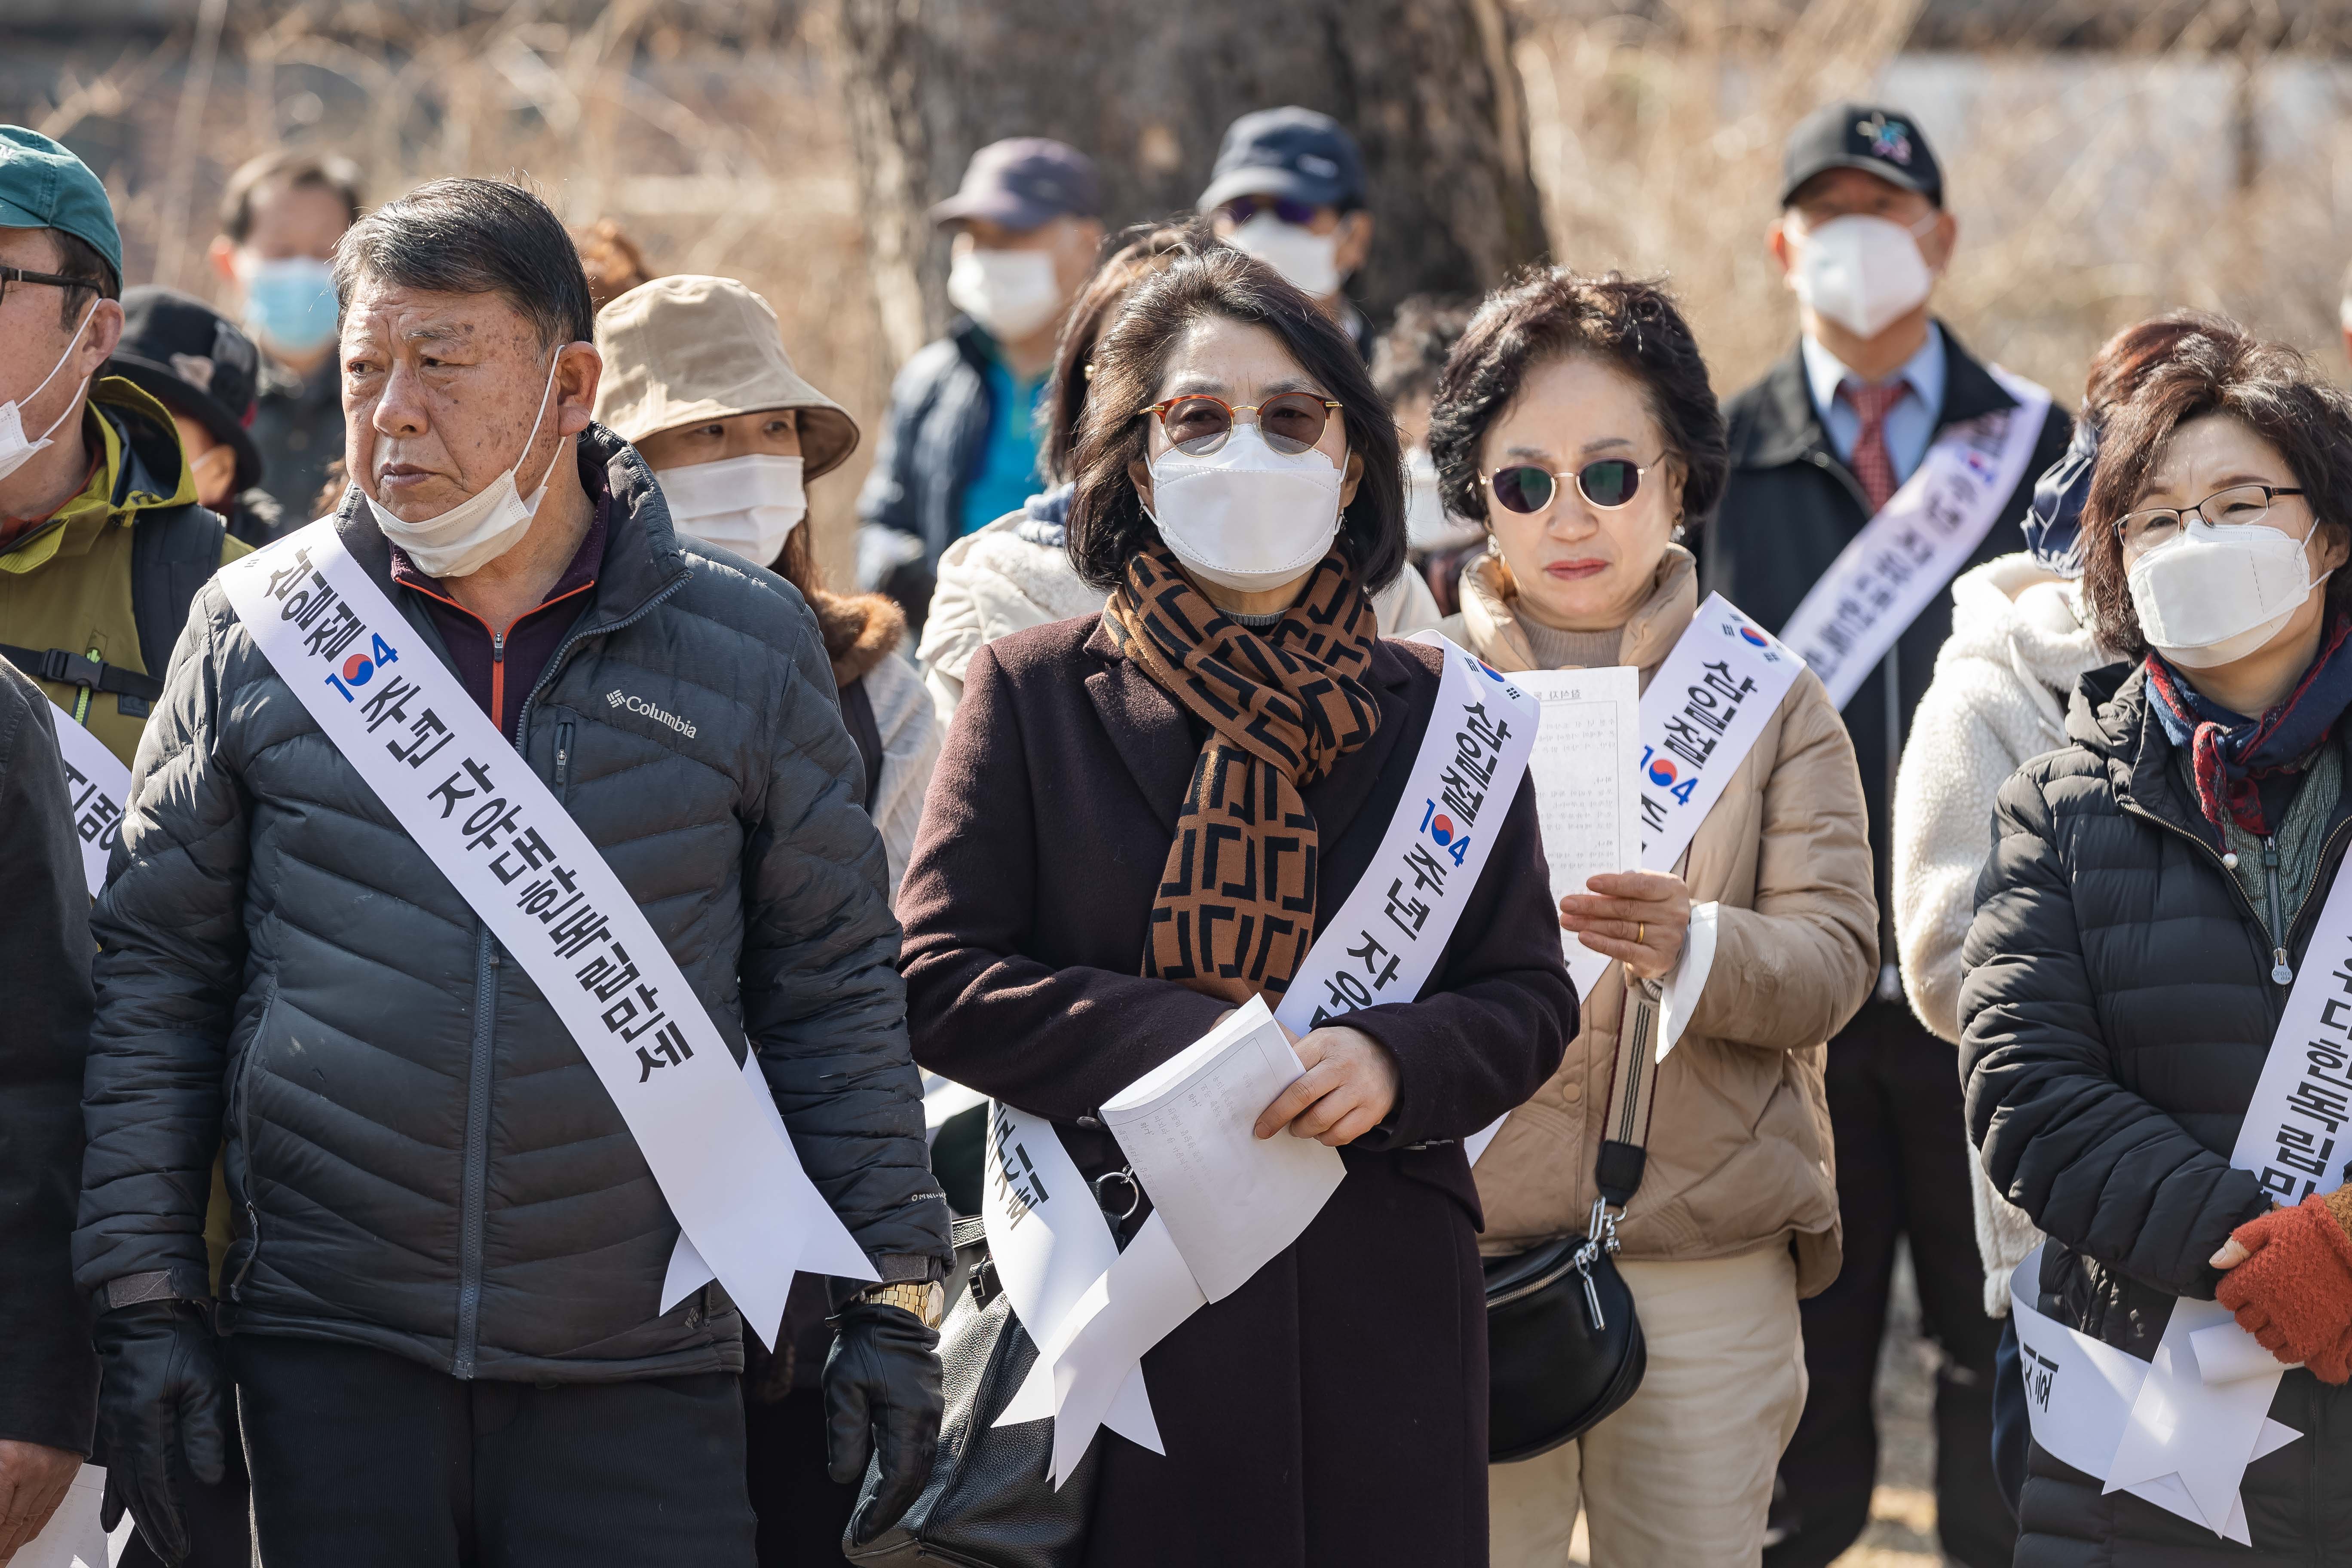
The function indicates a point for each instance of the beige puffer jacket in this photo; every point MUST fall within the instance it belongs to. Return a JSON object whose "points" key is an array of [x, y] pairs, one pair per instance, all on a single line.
{"points": [[1740, 1150]]}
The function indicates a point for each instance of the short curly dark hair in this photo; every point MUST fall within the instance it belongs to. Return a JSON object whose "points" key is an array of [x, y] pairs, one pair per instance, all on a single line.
{"points": [[1549, 313], [1107, 523], [2218, 368]]}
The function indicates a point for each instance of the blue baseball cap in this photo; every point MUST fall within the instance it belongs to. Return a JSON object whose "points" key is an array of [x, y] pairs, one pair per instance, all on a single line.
{"points": [[42, 185], [1024, 182], [1290, 153]]}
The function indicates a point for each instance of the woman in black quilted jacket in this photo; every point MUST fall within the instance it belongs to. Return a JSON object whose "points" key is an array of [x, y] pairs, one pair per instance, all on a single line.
{"points": [[2152, 892]]}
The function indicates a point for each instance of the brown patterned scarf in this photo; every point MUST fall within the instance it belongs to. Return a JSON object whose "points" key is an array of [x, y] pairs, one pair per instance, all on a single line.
{"points": [[1236, 904]]}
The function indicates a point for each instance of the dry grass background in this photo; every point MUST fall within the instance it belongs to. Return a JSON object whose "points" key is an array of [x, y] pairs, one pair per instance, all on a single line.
{"points": [[2092, 189]]}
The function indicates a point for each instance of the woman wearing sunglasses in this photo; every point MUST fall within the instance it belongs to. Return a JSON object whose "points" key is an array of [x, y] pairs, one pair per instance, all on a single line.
{"points": [[2156, 890], [1575, 417], [1238, 495]]}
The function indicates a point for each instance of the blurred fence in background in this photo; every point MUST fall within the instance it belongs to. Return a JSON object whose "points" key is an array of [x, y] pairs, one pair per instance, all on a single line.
{"points": [[2105, 160]]}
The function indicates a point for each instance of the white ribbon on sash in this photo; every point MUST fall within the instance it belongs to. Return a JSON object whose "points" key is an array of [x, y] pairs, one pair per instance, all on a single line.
{"points": [[99, 786], [1906, 555], [748, 1213], [1093, 1321], [2178, 1431]]}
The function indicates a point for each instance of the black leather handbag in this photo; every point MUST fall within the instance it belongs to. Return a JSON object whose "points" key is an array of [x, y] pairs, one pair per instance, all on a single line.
{"points": [[1564, 1347], [990, 1502]]}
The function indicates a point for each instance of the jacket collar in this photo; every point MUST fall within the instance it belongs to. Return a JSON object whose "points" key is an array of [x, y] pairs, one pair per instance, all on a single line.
{"points": [[1153, 736], [643, 561], [1788, 428], [137, 467], [1492, 624]]}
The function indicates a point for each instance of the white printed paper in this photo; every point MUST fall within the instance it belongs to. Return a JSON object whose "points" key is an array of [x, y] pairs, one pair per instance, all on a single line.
{"points": [[708, 1130], [97, 786], [1232, 1200], [1585, 768], [1906, 556]]}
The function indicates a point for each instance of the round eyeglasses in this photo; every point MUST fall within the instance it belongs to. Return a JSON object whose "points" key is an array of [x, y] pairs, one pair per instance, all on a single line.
{"points": [[1289, 422], [1610, 483]]}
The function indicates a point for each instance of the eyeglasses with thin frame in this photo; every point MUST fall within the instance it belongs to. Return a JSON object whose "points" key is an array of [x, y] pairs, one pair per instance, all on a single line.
{"points": [[1289, 422], [2235, 506], [18, 275], [1608, 484]]}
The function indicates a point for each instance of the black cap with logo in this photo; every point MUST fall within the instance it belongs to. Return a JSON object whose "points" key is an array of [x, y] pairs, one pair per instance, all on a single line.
{"points": [[194, 361], [1886, 142], [1290, 153]]}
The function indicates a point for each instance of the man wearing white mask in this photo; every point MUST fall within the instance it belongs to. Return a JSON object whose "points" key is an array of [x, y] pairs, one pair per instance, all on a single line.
{"points": [[280, 217], [1879, 426], [960, 443], [457, 1315], [1288, 188]]}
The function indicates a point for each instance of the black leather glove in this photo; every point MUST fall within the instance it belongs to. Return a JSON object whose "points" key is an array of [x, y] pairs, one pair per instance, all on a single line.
{"points": [[882, 1397], [163, 1403]]}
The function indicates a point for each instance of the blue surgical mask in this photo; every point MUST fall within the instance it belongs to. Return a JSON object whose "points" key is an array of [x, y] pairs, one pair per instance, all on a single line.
{"points": [[289, 304]]}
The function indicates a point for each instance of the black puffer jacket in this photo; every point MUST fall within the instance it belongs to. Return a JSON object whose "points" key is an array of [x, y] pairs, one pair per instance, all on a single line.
{"points": [[2118, 1008], [420, 1158]]}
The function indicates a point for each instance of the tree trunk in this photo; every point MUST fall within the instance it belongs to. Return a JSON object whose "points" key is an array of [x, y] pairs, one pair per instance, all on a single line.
{"points": [[1146, 88]]}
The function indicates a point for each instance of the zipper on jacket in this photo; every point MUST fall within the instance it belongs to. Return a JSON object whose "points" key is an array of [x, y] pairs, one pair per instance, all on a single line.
{"points": [[562, 755], [474, 1200], [498, 673], [242, 1109], [2282, 972], [478, 1156]]}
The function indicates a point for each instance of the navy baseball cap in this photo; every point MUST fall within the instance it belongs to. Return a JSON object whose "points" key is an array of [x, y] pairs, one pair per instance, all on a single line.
{"points": [[194, 361], [1024, 182], [1878, 141], [1290, 153], [42, 185]]}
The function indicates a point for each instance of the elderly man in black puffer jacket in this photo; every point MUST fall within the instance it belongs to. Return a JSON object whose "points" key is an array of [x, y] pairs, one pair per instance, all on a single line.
{"points": [[442, 1306]]}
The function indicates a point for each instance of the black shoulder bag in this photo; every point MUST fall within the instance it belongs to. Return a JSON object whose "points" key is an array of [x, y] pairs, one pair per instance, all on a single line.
{"points": [[1564, 1348]]}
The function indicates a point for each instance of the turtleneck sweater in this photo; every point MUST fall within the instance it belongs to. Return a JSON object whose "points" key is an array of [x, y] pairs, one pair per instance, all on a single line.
{"points": [[1556, 649]]}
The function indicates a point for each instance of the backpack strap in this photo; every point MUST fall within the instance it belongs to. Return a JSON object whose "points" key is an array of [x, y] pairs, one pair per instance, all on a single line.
{"points": [[857, 717], [1634, 1073], [175, 550]]}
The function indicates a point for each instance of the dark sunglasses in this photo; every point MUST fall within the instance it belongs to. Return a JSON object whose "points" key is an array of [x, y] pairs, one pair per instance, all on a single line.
{"points": [[1290, 422], [1299, 214], [1608, 484]]}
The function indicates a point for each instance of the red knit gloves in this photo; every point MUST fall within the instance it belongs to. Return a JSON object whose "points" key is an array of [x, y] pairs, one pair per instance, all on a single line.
{"points": [[2294, 1292]]}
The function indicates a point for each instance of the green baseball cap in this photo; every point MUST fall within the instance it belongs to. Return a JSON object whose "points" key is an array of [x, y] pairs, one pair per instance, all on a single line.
{"points": [[42, 185]]}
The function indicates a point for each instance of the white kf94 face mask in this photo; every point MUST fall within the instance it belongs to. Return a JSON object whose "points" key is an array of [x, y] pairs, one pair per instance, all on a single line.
{"points": [[15, 450], [1011, 293], [1308, 262], [749, 505], [1862, 272], [1245, 516], [2215, 594], [481, 527]]}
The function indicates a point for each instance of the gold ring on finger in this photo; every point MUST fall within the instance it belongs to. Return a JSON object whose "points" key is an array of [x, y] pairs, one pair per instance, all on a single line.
{"points": [[1638, 929]]}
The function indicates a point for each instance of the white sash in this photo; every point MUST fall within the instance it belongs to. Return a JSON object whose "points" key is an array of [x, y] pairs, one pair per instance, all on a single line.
{"points": [[2293, 1139], [1898, 564], [711, 1134], [99, 786], [1700, 718], [1094, 1319]]}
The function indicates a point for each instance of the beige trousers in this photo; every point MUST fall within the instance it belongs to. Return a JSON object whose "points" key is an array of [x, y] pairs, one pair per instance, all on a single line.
{"points": [[1681, 1476]]}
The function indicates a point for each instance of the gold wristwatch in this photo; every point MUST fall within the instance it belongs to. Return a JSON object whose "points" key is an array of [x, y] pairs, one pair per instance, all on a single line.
{"points": [[926, 1299]]}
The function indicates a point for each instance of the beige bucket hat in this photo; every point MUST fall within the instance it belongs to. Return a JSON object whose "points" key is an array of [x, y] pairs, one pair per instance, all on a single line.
{"points": [[684, 349]]}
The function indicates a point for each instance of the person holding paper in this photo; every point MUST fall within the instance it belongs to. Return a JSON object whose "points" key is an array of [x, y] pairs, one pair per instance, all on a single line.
{"points": [[1878, 418], [492, 1143], [1575, 419], [2153, 1034], [1239, 496]]}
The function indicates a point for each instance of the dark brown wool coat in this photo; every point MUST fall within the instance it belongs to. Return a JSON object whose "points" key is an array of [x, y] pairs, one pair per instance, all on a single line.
{"points": [[1332, 1411]]}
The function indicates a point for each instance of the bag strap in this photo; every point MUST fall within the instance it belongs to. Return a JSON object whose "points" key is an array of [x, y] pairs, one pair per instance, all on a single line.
{"points": [[66, 668], [1625, 1136]]}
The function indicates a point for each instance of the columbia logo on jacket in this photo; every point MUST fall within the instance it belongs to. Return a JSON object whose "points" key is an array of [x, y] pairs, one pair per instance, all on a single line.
{"points": [[619, 699]]}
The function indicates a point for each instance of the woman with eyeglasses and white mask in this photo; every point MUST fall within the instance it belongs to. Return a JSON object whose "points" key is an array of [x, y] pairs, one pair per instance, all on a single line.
{"points": [[1575, 419], [1147, 816], [697, 379], [2155, 891]]}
